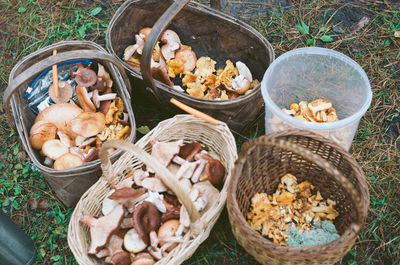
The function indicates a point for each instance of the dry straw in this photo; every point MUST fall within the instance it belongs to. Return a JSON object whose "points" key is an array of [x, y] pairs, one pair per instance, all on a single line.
{"points": [[308, 156], [217, 137]]}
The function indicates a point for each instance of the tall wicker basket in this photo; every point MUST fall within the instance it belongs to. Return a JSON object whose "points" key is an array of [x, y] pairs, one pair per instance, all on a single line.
{"points": [[210, 33], [218, 138], [68, 184], [310, 157]]}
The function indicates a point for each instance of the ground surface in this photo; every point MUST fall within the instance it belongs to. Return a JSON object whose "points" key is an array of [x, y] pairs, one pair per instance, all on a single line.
{"points": [[26, 26]]}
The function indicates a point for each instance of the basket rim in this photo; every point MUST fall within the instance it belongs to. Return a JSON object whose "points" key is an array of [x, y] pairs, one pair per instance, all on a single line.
{"points": [[270, 247], [89, 166], [167, 89], [75, 239]]}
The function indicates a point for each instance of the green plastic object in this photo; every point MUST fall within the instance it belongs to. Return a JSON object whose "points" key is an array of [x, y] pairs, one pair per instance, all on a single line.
{"points": [[16, 247]]}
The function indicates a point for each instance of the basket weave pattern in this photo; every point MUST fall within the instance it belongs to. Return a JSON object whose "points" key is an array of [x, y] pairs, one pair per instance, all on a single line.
{"points": [[218, 138], [327, 166]]}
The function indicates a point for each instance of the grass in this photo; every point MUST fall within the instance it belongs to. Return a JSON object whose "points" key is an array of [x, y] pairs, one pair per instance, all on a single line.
{"points": [[26, 26]]}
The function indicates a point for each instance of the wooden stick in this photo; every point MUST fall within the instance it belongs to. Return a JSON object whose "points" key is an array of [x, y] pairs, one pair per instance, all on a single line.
{"points": [[194, 112], [55, 77]]}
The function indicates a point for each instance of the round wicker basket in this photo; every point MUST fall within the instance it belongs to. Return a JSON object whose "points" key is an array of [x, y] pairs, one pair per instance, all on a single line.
{"points": [[310, 157], [217, 137]]}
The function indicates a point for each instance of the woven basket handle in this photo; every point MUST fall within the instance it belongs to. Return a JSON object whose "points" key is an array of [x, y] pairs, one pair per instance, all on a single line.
{"points": [[159, 27], [166, 176], [40, 66], [318, 160]]}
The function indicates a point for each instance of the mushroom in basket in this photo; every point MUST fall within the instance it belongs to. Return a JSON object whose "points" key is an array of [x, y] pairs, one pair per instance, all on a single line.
{"points": [[155, 222], [173, 59], [71, 133]]}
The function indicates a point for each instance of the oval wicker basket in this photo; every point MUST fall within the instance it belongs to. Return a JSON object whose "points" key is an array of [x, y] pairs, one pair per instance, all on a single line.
{"points": [[217, 138], [68, 184], [261, 164], [210, 33]]}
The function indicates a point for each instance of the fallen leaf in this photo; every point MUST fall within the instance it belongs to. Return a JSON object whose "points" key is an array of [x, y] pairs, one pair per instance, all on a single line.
{"points": [[356, 27]]}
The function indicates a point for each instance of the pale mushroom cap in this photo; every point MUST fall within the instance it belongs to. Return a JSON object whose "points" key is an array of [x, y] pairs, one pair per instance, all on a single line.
{"points": [[167, 229], [188, 57], [54, 149], [66, 161], [133, 242], [60, 115], [65, 92], [143, 259], [244, 70], [41, 132], [88, 124], [207, 190]]}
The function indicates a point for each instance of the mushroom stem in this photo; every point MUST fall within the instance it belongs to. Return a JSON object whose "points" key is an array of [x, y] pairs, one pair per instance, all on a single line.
{"points": [[97, 98], [48, 161], [178, 160], [89, 220]]}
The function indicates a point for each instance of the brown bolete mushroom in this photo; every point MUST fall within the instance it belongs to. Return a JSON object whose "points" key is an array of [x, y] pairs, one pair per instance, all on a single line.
{"points": [[100, 85], [188, 151], [65, 92], [102, 228], [41, 132], [88, 124], [60, 115], [146, 219], [188, 57], [66, 161], [215, 171], [125, 194], [171, 44], [85, 77], [160, 73], [114, 252], [84, 99]]}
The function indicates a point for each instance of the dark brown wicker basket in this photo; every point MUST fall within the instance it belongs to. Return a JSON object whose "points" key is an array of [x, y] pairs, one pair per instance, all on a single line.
{"points": [[68, 184], [326, 165], [209, 33]]}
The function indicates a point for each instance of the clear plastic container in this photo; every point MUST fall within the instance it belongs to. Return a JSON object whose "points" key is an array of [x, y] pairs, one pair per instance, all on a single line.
{"points": [[307, 74]]}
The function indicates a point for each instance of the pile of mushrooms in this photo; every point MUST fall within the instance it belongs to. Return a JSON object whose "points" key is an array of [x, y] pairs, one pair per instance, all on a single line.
{"points": [[142, 219], [71, 133], [171, 58]]}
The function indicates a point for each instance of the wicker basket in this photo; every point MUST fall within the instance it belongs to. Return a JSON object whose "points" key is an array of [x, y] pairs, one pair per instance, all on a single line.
{"points": [[210, 33], [68, 184], [261, 164], [186, 127]]}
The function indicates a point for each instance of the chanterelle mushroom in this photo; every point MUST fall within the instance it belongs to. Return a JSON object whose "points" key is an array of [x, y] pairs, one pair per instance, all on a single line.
{"points": [[102, 228], [146, 219]]}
